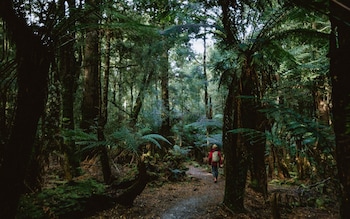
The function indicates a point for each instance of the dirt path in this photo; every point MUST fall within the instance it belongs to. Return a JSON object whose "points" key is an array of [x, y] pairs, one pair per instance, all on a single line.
{"points": [[196, 197], [201, 203]]}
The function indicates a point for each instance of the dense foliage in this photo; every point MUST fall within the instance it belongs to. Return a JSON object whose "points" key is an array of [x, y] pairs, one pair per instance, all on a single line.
{"points": [[114, 84], [66, 200]]}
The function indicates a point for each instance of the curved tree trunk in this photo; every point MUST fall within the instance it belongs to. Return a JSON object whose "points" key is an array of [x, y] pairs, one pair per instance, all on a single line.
{"points": [[129, 195], [33, 66]]}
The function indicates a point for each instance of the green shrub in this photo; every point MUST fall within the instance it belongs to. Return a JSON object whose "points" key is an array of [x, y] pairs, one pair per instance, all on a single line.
{"points": [[68, 198]]}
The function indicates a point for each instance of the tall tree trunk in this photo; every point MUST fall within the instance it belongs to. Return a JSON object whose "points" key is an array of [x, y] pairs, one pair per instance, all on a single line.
{"points": [[207, 99], [236, 154], [47, 139], [119, 90], [165, 128], [68, 75], [146, 81], [68, 79], [340, 76], [165, 114], [257, 153], [253, 119], [106, 168], [33, 66], [91, 98], [261, 124], [236, 164]]}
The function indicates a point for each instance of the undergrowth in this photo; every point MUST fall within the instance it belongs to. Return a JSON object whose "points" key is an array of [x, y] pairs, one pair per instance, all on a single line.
{"points": [[66, 199]]}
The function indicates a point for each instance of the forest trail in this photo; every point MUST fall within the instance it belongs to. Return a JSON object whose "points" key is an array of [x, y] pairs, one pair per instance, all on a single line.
{"points": [[196, 197], [199, 204]]}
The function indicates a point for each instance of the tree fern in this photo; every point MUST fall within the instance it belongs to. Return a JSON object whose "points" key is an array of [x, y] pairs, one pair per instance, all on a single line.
{"points": [[123, 138]]}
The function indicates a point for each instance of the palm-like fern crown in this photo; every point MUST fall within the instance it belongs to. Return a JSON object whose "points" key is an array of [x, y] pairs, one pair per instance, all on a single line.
{"points": [[261, 36]]}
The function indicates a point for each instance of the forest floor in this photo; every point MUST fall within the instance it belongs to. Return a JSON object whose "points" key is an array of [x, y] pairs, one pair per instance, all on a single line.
{"points": [[198, 197]]}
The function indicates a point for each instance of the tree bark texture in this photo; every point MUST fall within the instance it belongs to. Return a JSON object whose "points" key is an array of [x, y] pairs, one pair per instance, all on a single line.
{"points": [[236, 163], [33, 60], [91, 93], [240, 112], [92, 118], [68, 76], [165, 129], [340, 76], [146, 81], [104, 158], [258, 167], [255, 120]]}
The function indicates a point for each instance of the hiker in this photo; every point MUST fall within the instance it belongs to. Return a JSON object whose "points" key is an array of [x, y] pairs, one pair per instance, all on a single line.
{"points": [[214, 159]]}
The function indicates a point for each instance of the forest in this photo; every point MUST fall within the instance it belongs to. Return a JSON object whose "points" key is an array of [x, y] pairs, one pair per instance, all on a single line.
{"points": [[112, 106]]}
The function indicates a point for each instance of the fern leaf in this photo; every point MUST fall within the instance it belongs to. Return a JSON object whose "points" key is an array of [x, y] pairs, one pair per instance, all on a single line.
{"points": [[154, 139]]}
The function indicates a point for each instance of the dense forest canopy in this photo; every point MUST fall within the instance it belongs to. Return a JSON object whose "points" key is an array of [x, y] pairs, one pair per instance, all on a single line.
{"points": [[121, 83]]}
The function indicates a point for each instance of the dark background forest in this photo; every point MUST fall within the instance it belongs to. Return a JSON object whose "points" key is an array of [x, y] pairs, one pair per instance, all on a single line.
{"points": [[135, 90]]}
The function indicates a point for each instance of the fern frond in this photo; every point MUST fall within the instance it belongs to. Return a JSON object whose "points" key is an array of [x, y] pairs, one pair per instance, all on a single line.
{"points": [[77, 135], [206, 123], [91, 145], [289, 122], [302, 34], [154, 138], [252, 135]]}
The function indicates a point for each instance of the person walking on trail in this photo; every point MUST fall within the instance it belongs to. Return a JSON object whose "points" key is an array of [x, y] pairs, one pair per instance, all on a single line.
{"points": [[214, 159]]}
